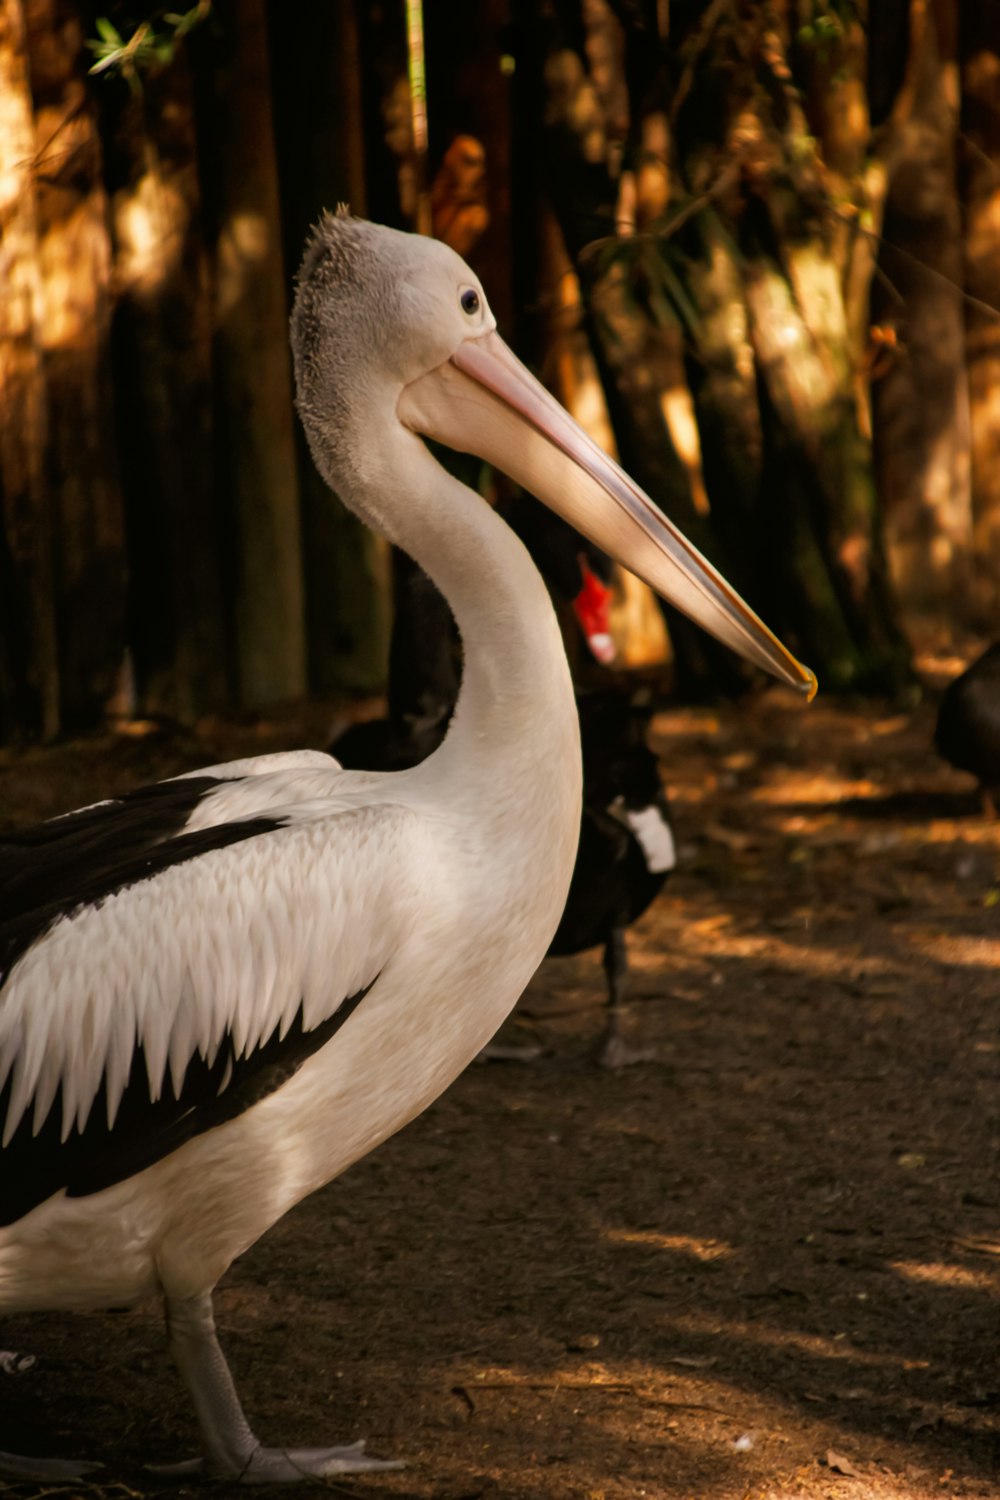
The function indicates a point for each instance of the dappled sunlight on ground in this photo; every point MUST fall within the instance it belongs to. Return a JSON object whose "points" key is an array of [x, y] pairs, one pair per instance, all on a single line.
{"points": [[682, 1244], [947, 1275], [973, 952]]}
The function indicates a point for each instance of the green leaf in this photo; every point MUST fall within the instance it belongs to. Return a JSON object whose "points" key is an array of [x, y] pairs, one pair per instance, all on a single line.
{"points": [[112, 57], [108, 32]]}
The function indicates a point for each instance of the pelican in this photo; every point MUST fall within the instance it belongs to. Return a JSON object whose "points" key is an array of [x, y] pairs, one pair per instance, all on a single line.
{"points": [[220, 991]]}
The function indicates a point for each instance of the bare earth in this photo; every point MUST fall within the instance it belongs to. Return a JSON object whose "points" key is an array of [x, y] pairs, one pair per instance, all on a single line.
{"points": [[765, 1266]]}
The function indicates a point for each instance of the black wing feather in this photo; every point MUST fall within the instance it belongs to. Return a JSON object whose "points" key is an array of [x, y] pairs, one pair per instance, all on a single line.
{"points": [[52, 869], [33, 1167]]}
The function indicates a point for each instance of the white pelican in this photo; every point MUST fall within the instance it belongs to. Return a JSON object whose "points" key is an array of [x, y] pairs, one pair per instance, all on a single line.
{"points": [[220, 991]]}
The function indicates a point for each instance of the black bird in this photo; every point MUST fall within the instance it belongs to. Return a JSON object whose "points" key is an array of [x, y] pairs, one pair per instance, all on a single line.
{"points": [[627, 846], [626, 849], [968, 724]]}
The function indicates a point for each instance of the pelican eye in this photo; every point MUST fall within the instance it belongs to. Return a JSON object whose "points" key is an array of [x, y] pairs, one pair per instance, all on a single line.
{"points": [[470, 301]]}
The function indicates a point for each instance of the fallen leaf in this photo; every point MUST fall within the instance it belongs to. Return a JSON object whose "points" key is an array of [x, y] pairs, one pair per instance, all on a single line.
{"points": [[890, 726], [584, 1341], [739, 760], [841, 1465], [978, 1244], [732, 838]]}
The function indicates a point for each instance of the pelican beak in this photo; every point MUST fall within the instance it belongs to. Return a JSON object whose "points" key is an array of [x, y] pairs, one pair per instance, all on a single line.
{"points": [[483, 401]]}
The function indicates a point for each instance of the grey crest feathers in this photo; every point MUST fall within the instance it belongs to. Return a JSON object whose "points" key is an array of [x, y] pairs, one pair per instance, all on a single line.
{"points": [[345, 299], [374, 310]]}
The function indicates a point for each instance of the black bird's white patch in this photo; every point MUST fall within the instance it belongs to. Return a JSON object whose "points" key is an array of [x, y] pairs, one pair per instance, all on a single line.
{"points": [[651, 827]]}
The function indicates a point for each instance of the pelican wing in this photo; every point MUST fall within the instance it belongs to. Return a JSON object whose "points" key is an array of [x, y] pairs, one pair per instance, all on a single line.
{"points": [[51, 869], [191, 978]]}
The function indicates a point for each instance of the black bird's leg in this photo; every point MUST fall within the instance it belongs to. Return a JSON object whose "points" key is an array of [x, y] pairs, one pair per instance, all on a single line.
{"points": [[612, 1049]]}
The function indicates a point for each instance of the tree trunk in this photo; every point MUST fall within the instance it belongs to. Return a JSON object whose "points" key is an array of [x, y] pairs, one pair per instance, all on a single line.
{"points": [[30, 669], [469, 94], [980, 47], [640, 351], [570, 372], [751, 275], [920, 403], [255, 438], [722, 373], [321, 160], [820, 483], [75, 267], [163, 349]]}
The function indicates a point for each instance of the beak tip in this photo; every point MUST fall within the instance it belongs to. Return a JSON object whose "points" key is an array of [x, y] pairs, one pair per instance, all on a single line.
{"points": [[809, 684]]}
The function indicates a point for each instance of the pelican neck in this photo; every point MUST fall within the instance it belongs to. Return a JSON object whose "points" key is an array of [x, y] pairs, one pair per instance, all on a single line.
{"points": [[516, 706]]}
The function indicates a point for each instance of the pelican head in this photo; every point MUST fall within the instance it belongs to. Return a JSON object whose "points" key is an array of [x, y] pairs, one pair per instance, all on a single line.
{"points": [[374, 309], [434, 363]]}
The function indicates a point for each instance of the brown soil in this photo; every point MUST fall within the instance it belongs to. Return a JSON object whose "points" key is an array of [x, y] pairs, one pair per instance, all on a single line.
{"points": [[764, 1266]]}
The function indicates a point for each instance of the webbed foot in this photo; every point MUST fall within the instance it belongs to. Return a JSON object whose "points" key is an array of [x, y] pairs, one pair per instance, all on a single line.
{"points": [[44, 1470], [284, 1465]]}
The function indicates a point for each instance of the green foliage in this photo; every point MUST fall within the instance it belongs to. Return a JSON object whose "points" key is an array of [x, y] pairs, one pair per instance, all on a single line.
{"points": [[651, 269], [824, 34], [152, 44]]}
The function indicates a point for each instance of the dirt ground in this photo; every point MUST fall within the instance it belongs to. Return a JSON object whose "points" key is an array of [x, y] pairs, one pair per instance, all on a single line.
{"points": [[764, 1266]]}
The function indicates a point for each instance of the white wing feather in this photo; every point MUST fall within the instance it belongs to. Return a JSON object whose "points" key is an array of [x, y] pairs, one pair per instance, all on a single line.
{"points": [[236, 940]]}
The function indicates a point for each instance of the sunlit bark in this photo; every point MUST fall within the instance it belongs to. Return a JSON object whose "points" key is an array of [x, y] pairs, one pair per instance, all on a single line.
{"points": [[981, 204], [29, 659], [162, 347], [921, 400], [570, 370], [723, 376], [468, 93], [322, 156], [75, 273], [748, 292], [641, 353], [255, 441]]}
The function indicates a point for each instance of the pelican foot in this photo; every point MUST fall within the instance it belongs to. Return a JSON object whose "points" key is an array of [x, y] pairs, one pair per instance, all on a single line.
{"points": [[230, 1449], [284, 1465], [44, 1470]]}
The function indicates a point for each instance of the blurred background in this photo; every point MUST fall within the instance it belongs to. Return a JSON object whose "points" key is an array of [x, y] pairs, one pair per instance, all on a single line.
{"points": [[755, 248]]}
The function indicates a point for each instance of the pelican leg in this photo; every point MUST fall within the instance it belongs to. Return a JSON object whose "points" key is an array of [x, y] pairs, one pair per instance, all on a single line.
{"points": [[229, 1448], [612, 1049]]}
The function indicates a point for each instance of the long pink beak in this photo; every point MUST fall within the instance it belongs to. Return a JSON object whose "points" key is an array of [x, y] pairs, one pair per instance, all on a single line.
{"points": [[483, 401]]}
